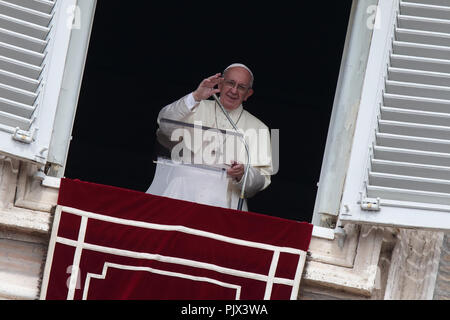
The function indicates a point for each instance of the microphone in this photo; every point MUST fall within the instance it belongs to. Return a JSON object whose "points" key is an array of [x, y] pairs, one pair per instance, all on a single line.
{"points": [[247, 165]]}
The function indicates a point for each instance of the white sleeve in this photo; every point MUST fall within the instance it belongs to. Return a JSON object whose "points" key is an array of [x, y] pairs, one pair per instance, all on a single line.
{"points": [[177, 110], [190, 101]]}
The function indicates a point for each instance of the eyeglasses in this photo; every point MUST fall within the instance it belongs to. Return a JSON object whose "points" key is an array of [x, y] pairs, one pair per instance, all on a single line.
{"points": [[231, 84]]}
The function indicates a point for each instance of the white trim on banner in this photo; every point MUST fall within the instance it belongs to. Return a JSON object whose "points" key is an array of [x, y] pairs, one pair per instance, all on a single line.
{"points": [[157, 271]]}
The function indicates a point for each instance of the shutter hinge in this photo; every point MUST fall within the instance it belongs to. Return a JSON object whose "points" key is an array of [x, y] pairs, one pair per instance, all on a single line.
{"points": [[370, 204], [23, 136]]}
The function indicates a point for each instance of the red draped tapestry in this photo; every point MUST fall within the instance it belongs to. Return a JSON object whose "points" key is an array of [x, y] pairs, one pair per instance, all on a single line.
{"points": [[114, 243]]}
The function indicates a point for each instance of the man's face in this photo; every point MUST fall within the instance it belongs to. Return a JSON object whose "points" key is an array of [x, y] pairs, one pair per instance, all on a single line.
{"points": [[235, 88]]}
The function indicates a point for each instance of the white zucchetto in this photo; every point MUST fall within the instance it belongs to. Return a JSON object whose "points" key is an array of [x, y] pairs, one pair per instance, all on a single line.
{"points": [[242, 66]]}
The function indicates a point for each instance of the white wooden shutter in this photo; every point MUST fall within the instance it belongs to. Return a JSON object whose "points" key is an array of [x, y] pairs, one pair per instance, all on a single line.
{"points": [[34, 36], [399, 172]]}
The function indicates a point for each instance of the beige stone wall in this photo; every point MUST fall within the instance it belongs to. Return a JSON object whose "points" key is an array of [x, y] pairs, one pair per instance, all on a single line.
{"points": [[442, 290], [21, 265], [414, 265], [25, 218]]}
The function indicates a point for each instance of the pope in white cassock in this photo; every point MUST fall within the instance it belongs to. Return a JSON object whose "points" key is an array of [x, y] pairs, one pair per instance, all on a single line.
{"points": [[207, 184]]}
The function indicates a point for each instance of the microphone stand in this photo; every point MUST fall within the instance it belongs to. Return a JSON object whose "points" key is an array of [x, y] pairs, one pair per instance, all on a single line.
{"points": [[247, 165]]}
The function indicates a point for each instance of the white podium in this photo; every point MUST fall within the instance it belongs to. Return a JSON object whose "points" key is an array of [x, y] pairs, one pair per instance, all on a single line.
{"points": [[193, 160], [196, 183]]}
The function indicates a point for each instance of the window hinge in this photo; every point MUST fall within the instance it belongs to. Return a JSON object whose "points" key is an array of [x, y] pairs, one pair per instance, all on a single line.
{"points": [[370, 204], [23, 136]]}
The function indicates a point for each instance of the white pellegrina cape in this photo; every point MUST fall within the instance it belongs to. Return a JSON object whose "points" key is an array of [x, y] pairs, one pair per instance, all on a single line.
{"points": [[209, 114]]}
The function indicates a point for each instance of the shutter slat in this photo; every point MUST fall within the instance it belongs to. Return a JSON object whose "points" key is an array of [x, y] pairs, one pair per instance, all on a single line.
{"points": [[420, 63], [17, 81], [412, 156], [18, 95], [415, 116], [24, 27], [408, 195], [14, 121], [418, 76], [413, 143], [432, 2], [16, 108], [424, 10], [416, 103], [421, 50], [414, 129], [25, 14], [408, 182], [410, 169], [22, 41], [17, 53], [20, 68], [418, 90], [423, 37], [424, 24], [44, 6]]}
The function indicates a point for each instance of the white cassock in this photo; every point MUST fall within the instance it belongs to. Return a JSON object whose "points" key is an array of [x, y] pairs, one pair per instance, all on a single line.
{"points": [[209, 184]]}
